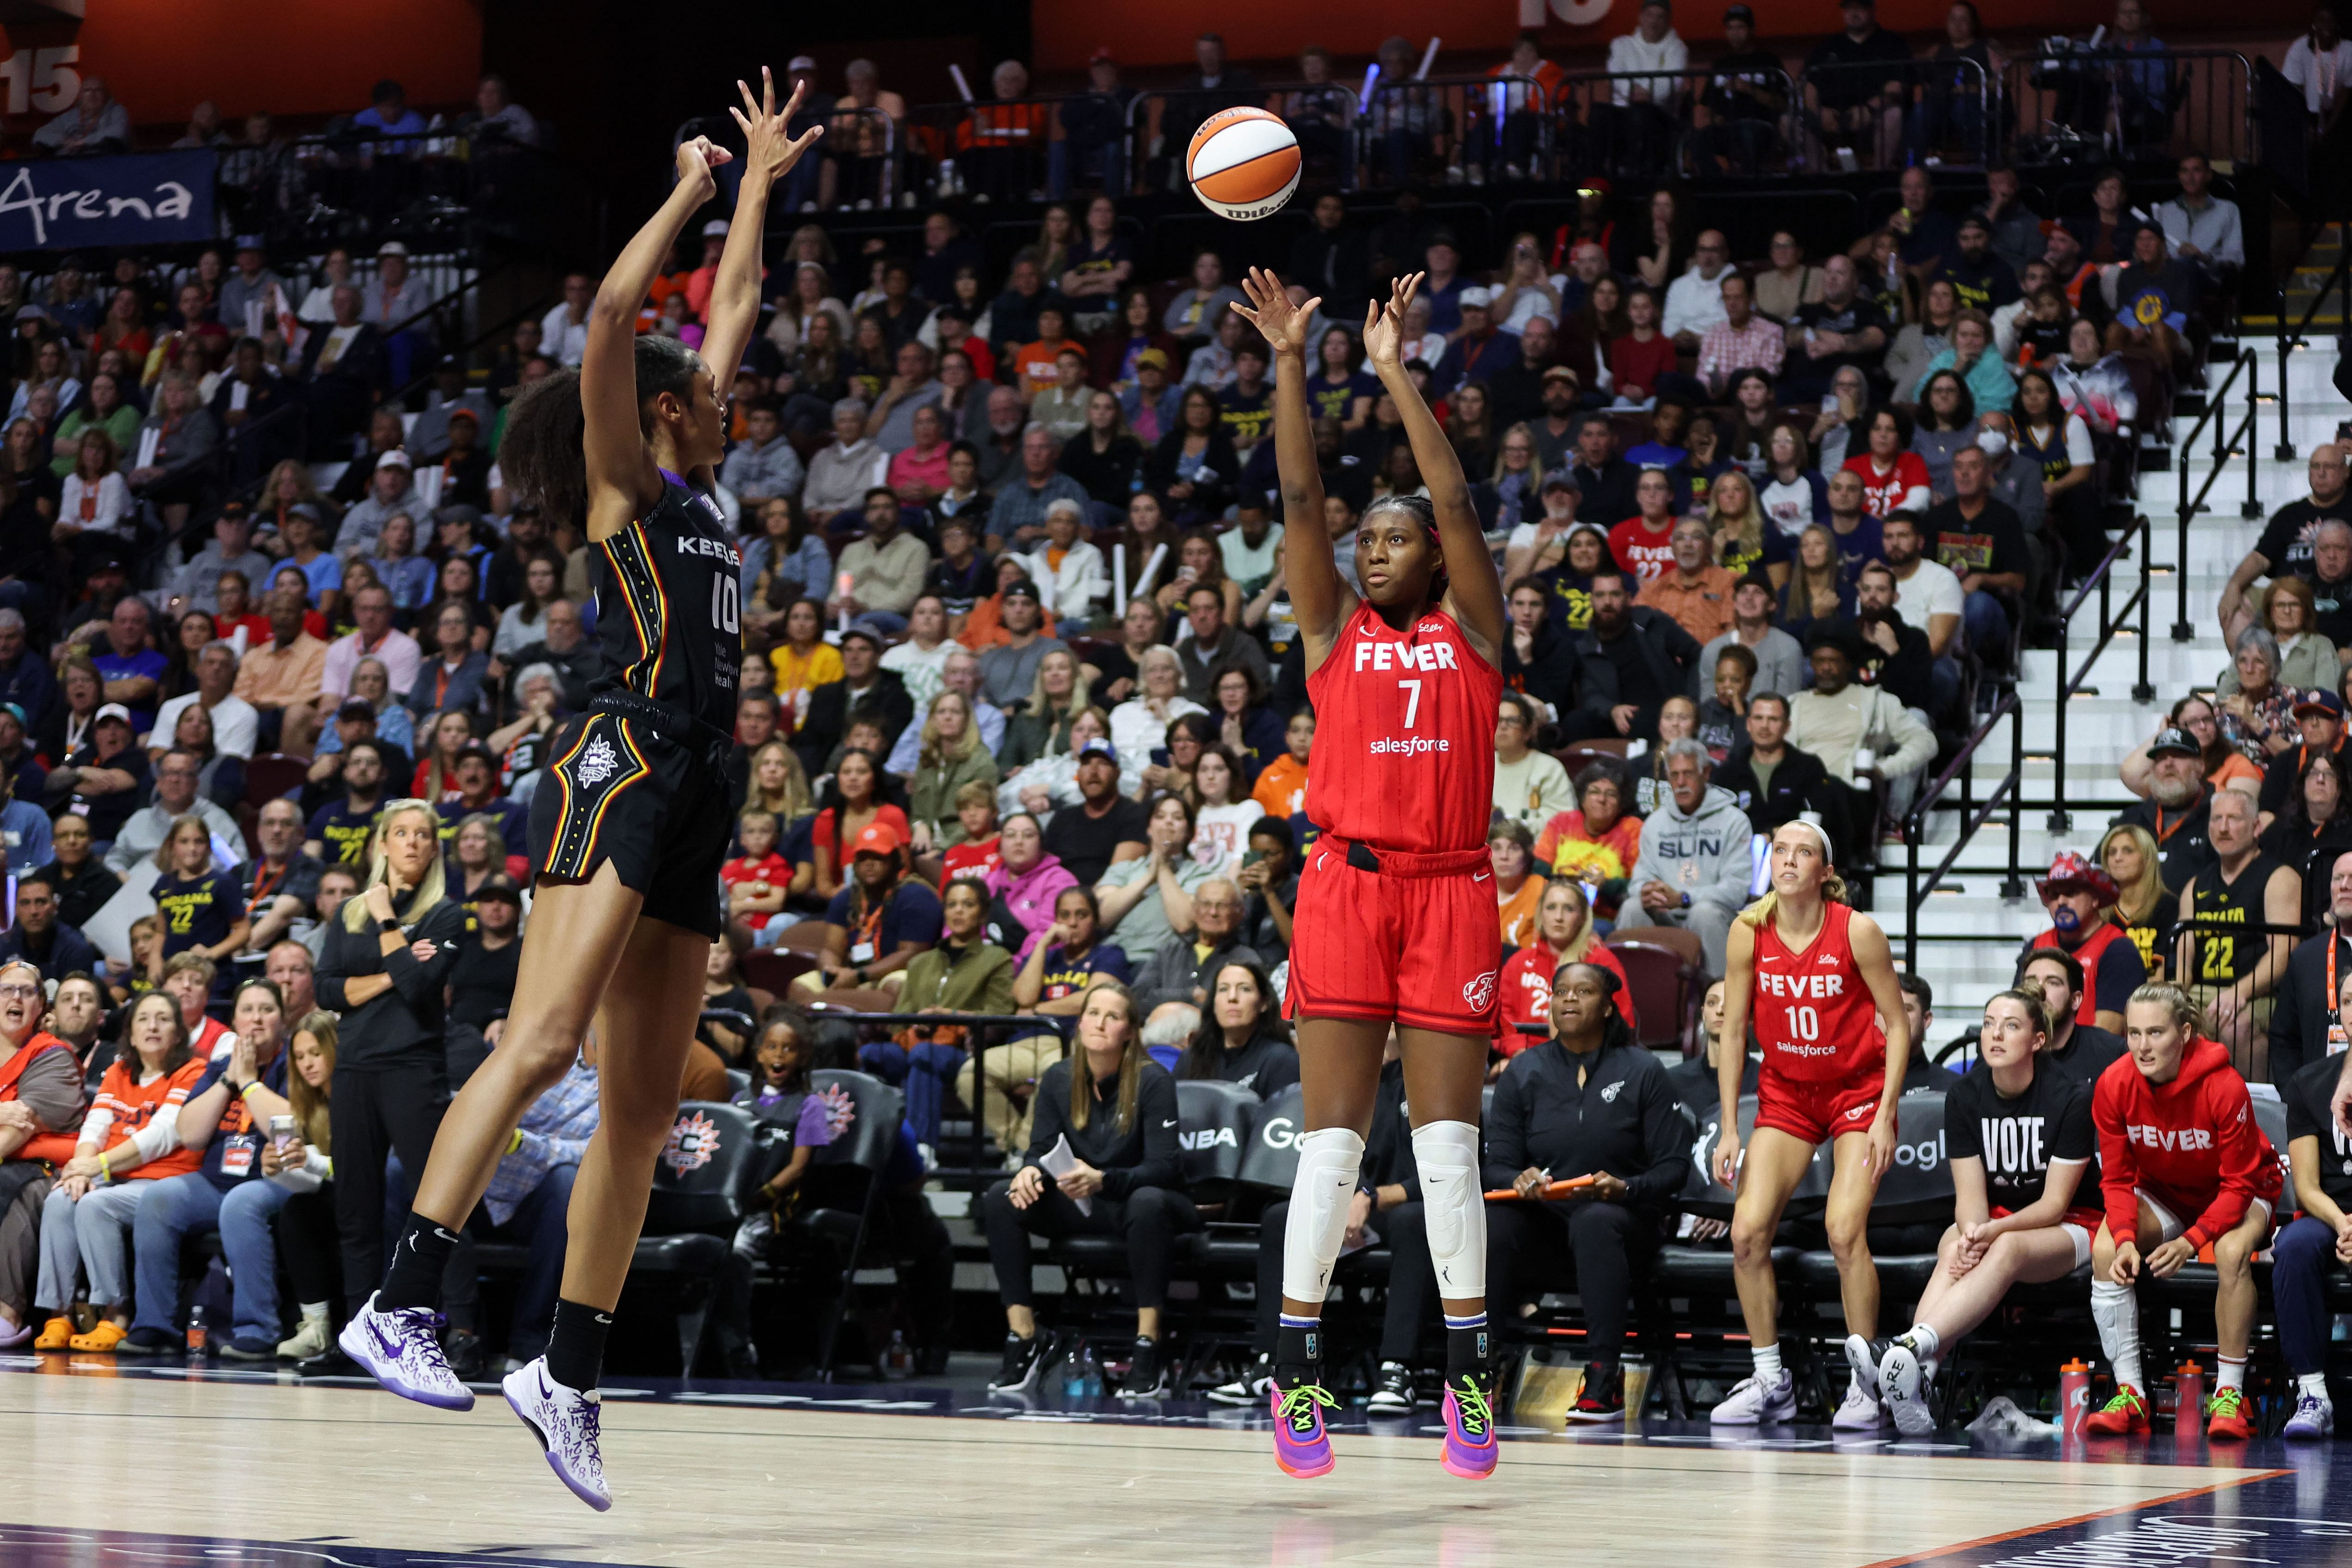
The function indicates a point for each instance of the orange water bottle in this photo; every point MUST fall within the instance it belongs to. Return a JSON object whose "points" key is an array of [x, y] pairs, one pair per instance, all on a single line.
{"points": [[2073, 1397]]}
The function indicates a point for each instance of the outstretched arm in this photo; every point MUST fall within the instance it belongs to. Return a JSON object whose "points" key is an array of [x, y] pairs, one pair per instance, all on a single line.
{"points": [[1318, 594], [1473, 593], [769, 153], [622, 477]]}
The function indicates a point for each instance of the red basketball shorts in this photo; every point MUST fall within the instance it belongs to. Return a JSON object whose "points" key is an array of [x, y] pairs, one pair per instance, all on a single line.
{"points": [[1818, 1109], [1422, 951]]}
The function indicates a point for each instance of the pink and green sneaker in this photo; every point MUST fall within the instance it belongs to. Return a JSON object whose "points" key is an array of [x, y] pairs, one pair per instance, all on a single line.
{"points": [[1471, 1448], [1301, 1447]]}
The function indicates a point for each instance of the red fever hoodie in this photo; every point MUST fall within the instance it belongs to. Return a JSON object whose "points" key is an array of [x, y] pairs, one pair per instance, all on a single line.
{"points": [[2192, 1144]]}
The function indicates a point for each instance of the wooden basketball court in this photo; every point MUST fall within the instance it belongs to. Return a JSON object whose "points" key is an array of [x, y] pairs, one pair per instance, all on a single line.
{"points": [[164, 1466]]}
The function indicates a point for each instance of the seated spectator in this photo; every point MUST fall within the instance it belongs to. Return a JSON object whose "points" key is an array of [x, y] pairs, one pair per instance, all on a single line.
{"points": [[865, 690], [2081, 899], [223, 1120], [1659, 665], [2016, 1219], [38, 936], [102, 780], [1780, 659], [138, 837], [963, 972], [880, 919], [1597, 843], [277, 885], [949, 757], [1563, 931], [1246, 729], [2307, 661], [1694, 866], [1224, 812], [281, 678], [339, 831], [1844, 329], [1510, 850], [802, 659], [1138, 725], [1147, 901], [1195, 467], [2258, 718], [1242, 1039], [1530, 785], [473, 790], [2204, 230], [2166, 1199], [1838, 719], [2178, 804], [1694, 591], [1544, 1127], [2286, 544], [1199, 560], [95, 123], [1119, 1111], [845, 474], [455, 677], [41, 1080], [1017, 519], [779, 1097], [785, 559], [80, 880], [1068, 569], [1928, 596]]}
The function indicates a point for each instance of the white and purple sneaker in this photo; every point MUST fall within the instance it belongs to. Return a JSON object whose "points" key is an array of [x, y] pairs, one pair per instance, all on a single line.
{"points": [[402, 1351], [2314, 1418], [565, 1423]]}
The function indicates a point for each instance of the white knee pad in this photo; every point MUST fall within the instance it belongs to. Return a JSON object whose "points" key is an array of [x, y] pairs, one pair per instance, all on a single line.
{"points": [[1329, 1160], [1452, 1207]]}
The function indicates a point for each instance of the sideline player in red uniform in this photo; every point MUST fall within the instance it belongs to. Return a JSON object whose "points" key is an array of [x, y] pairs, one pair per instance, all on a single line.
{"points": [[1395, 920], [1810, 971], [2183, 1165], [628, 835]]}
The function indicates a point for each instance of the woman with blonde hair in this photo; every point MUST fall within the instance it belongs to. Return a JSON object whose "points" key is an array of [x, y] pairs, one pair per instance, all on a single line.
{"points": [[779, 786], [1829, 1075], [385, 967], [1117, 1108], [2144, 909], [1564, 935], [1057, 697], [951, 757], [1743, 539], [1816, 590], [298, 1168]]}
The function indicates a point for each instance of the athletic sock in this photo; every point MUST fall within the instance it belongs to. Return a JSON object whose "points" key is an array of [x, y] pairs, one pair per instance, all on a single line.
{"points": [[1768, 1363], [1298, 1351], [1924, 1342], [2232, 1375], [314, 1311], [575, 1346], [2117, 1312], [1467, 1346], [418, 1260], [2314, 1384]]}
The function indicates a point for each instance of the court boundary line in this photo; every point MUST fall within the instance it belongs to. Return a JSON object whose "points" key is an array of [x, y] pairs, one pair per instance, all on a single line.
{"points": [[2163, 1501]]}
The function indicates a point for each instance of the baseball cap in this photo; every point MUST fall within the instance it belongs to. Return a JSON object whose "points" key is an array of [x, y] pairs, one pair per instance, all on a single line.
{"points": [[392, 248], [472, 750], [250, 242], [800, 63], [875, 839], [1739, 13], [1559, 480], [1158, 357], [396, 458], [112, 710], [1021, 588], [1099, 747], [2070, 870], [863, 633], [14, 709], [467, 415], [715, 229], [2173, 743], [498, 887], [356, 708], [2319, 700], [459, 511], [1476, 297], [1102, 56], [1561, 373]]}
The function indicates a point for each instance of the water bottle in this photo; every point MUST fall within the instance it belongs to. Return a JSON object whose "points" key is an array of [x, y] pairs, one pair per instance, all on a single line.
{"points": [[1074, 1373], [2073, 1397], [1092, 1369], [196, 1335], [2187, 1399], [897, 1360]]}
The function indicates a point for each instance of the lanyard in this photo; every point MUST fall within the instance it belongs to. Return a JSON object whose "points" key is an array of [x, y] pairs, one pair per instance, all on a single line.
{"points": [[265, 884]]}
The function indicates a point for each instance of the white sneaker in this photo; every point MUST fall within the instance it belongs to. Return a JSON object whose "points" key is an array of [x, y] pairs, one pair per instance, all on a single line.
{"points": [[1860, 1411], [1752, 1404], [565, 1423], [1250, 1388], [402, 1351], [1904, 1389], [311, 1339]]}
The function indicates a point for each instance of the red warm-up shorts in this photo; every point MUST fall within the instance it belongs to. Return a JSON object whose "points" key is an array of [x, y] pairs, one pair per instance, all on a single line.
{"points": [[1817, 1111], [1416, 941]]}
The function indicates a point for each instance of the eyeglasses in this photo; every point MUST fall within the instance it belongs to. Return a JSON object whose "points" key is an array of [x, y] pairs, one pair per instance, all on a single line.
{"points": [[20, 991]]}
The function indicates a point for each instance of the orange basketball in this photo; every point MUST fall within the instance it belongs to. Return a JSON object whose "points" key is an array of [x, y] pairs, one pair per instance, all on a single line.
{"points": [[1243, 163]]}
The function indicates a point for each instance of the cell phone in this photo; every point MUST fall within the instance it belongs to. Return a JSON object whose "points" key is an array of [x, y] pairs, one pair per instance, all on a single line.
{"points": [[1253, 857], [281, 1132], [1159, 756]]}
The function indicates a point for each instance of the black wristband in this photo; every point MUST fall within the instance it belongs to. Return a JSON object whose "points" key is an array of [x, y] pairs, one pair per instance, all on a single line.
{"points": [[389, 927]]}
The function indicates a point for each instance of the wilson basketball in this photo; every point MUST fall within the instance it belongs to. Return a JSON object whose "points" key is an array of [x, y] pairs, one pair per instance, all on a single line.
{"points": [[1243, 163]]}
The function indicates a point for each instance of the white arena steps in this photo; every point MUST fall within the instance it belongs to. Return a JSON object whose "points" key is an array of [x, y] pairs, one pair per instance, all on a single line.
{"points": [[2103, 720]]}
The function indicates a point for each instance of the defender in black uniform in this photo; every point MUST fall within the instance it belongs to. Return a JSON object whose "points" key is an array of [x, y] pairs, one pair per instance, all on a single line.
{"points": [[627, 839], [2237, 975], [2024, 1154]]}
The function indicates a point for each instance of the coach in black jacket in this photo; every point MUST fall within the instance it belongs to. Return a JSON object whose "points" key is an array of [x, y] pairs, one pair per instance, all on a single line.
{"points": [[1590, 1101], [1628, 662], [2299, 1017]]}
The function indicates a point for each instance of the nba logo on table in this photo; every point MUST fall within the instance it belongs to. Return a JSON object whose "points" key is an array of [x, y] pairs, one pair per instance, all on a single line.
{"points": [[1243, 163]]}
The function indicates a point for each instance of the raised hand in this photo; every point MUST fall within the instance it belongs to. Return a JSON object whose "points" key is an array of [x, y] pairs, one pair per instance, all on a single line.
{"points": [[1384, 328], [770, 150], [1282, 324], [696, 159]]}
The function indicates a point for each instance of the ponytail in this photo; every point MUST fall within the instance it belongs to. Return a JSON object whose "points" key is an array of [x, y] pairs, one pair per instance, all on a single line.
{"points": [[541, 454]]}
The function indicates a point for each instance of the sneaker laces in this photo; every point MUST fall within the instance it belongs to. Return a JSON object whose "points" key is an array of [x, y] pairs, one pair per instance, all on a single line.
{"points": [[2125, 1398], [1470, 1399], [1298, 1408], [2229, 1402]]}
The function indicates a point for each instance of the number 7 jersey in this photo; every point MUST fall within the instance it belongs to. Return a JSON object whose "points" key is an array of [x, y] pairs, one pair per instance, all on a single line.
{"points": [[668, 607], [1404, 736]]}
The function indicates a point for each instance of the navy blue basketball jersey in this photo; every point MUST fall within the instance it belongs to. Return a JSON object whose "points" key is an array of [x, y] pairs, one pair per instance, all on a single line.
{"points": [[668, 607]]}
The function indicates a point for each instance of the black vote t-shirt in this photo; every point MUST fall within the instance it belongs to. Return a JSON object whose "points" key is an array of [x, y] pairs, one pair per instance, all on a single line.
{"points": [[2307, 1116], [2019, 1140]]}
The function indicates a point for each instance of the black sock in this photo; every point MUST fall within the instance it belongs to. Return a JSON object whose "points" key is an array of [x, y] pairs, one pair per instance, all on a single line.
{"points": [[418, 1260], [1468, 1350], [1298, 1353], [575, 1346]]}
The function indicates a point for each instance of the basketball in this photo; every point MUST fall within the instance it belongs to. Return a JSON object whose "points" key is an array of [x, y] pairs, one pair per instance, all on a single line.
{"points": [[1243, 163]]}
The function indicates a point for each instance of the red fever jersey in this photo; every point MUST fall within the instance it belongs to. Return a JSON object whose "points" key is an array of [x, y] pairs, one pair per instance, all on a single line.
{"points": [[1404, 736], [1811, 1010]]}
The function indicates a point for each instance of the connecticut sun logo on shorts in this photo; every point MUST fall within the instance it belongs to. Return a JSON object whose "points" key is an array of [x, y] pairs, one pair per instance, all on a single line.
{"points": [[1480, 992]]}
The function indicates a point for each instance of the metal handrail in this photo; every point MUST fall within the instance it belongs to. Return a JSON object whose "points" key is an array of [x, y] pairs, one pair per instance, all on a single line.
{"points": [[1038, 1022], [2289, 341], [1915, 824], [2223, 448], [2101, 580], [1799, 122]]}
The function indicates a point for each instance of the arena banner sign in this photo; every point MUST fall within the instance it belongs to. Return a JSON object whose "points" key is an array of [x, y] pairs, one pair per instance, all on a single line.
{"points": [[68, 203]]}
